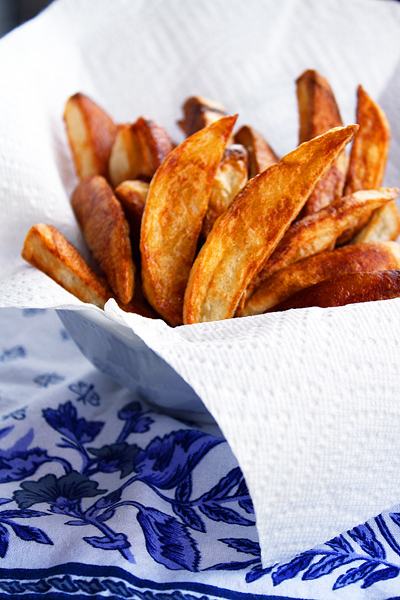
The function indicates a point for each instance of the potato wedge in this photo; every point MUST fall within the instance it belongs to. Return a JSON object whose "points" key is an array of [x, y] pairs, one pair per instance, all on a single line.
{"points": [[106, 231], [373, 256], [229, 179], [132, 195], [318, 112], [370, 148], [138, 150], [319, 231], [91, 133], [199, 112], [248, 232], [48, 250], [176, 204], [384, 225], [350, 288], [260, 154], [368, 155]]}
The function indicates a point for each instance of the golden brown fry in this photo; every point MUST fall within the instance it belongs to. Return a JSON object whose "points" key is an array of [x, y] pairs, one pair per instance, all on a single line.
{"points": [[229, 179], [374, 256], [319, 231], [249, 231], [138, 151], [384, 225], [349, 288], [47, 249], [173, 216], [370, 147], [132, 195], [106, 231], [91, 133], [318, 112], [368, 154], [260, 154], [200, 112]]}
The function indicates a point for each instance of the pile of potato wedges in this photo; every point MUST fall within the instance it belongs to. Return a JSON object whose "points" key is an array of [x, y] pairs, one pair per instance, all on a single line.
{"points": [[219, 226]]}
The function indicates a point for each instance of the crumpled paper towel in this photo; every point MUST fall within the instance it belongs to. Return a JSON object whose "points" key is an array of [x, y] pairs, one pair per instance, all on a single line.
{"points": [[309, 400]]}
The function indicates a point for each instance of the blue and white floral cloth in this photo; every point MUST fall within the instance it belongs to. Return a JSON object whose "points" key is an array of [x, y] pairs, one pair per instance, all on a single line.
{"points": [[102, 497]]}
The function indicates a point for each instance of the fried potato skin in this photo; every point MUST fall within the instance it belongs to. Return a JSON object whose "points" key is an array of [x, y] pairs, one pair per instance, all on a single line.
{"points": [[260, 154], [138, 151], [368, 155], [230, 177], [200, 112], [49, 251], [106, 231], [175, 207], [370, 148], [132, 195], [319, 112], [376, 256], [384, 225], [248, 232], [91, 133], [350, 288], [319, 231]]}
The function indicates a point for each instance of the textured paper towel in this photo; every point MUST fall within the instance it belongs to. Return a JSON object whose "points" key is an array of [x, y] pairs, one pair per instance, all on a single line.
{"points": [[308, 400]]}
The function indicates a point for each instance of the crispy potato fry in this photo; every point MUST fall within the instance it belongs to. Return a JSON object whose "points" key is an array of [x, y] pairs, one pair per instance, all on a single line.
{"points": [[47, 249], [132, 195], [318, 112], [106, 231], [91, 133], [138, 151], [200, 112], [349, 288], [319, 231], [248, 232], [229, 179], [370, 148], [374, 256], [173, 216], [260, 154], [368, 155], [384, 225]]}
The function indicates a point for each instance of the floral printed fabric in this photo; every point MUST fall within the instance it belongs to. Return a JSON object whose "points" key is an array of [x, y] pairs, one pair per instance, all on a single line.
{"points": [[101, 496]]}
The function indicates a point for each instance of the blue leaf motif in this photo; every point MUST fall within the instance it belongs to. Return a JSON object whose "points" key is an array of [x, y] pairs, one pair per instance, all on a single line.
{"points": [[136, 422], [167, 461], [30, 534], [168, 541], [4, 540], [21, 514], [117, 542], [231, 566], [293, 568], [184, 489], [366, 539], [354, 575], [190, 517], [17, 463], [215, 512], [225, 485], [243, 545], [381, 575], [65, 421], [257, 572], [247, 505], [326, 565], [340, 544]]}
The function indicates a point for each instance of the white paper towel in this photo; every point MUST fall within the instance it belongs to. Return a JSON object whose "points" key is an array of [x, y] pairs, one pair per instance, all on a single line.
{"points": [[309, 400]]}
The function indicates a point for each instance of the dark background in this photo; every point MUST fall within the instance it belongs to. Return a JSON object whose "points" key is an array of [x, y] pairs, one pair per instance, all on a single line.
{"points": [[16, 12]]}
